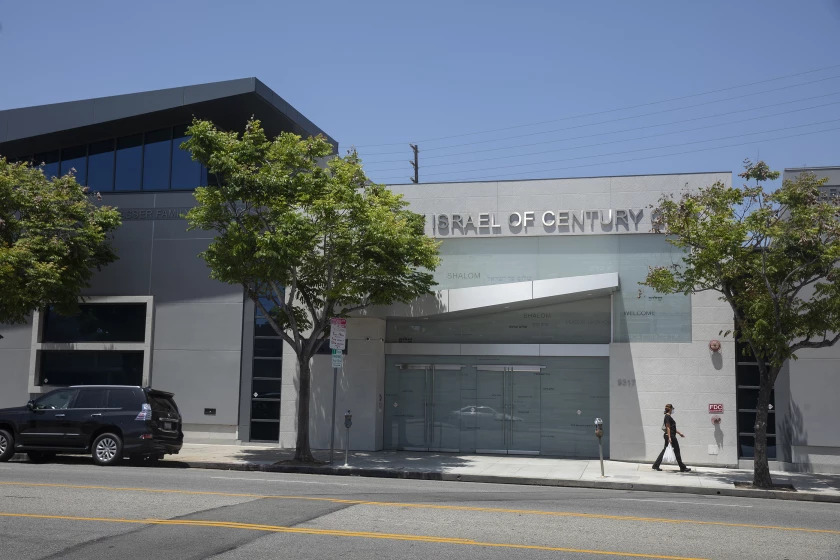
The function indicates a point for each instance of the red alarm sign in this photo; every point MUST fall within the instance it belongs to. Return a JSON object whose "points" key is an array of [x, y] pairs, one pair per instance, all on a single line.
{"points": [[715, 408]]}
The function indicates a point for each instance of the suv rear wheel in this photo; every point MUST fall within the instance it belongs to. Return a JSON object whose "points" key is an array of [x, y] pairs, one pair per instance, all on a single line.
{"points": [[7, 445], [107, 449]]}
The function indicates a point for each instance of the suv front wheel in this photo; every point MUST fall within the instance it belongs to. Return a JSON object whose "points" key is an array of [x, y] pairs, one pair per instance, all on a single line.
{"points": [[107, 449], [7, 446]]}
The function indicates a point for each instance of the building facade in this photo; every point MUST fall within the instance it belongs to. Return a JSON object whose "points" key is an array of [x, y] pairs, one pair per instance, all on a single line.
{"points": [[538, 324]]}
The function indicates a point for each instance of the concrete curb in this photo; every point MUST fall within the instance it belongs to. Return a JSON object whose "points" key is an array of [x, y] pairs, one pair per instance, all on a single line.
{"points": [[490, 479]]}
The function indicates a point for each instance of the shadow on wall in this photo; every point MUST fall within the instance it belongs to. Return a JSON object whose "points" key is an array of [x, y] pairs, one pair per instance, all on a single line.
{"points": [[792, 437], [718, 436], [717, 361]]}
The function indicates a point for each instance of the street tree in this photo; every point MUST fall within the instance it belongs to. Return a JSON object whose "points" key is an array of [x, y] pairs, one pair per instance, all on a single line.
{"points": [[773, 256], [52, 237], [307, 236]]}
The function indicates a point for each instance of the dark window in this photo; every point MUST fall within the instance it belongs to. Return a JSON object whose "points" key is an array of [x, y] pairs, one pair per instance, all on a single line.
{"points": [[268, 347], [101, 166], [268, 368], [186, 173], [123, 398], [129, 163], [162, 403], [266, 388], [265, 431], [60, 399], [91, 367], [156, 155], [262, 328], [746, 446], [265, 410], [75, 158], [748, 375], [97, 322], [48, 162], [91, 398]]}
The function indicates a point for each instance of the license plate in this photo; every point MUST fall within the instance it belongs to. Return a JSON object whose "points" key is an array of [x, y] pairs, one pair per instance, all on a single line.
{"points": [[167, 425]]}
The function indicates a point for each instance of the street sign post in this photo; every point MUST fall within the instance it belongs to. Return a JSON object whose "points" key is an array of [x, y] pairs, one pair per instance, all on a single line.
{"points": [[338, 340]]}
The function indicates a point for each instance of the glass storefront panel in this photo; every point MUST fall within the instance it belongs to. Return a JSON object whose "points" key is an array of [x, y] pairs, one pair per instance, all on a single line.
{"points": [[525, 405]]}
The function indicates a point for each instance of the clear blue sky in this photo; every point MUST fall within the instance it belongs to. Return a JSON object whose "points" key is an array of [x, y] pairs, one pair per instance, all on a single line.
{"points": [[443, 73]]}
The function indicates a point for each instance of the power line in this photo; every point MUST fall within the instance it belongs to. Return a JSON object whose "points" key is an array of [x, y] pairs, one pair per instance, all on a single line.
{"points": [[623, 139], [737, 145], [610, 110], [368, 163], [633, 151]]}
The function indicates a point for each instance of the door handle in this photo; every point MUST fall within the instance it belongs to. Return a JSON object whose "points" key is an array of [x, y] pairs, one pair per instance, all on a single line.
{"points": [[96, 414], [60, 415]]}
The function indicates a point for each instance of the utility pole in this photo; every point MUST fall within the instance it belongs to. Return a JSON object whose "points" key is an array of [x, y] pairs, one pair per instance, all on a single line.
{"points": [[415, 164]]}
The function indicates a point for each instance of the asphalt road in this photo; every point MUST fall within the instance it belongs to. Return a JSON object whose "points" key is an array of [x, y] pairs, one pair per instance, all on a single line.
{"points": [[74, 510]]}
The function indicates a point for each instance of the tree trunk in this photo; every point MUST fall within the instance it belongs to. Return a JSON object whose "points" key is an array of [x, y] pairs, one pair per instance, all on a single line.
{"points": [[761, 468], [302, 450]]}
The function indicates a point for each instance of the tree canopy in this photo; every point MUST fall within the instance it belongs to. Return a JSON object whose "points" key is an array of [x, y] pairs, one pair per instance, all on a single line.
{"points": [[52, 237], [773, 256], [306, 234]]}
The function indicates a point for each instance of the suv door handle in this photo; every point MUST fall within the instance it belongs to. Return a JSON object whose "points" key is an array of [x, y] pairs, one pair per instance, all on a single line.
{"points": [[60, 415], [96, 414]]}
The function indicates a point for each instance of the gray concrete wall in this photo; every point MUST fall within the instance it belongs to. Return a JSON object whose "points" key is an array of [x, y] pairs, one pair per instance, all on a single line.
{"points": [[197, 326], [687, 375], [360, 388]]}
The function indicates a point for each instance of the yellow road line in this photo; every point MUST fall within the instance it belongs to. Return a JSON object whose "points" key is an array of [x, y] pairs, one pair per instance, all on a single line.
{"points": [[338, 533], [428, 506]]}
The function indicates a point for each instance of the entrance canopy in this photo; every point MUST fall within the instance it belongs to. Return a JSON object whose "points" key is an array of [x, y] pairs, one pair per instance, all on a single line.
{"points": [[480, 300]]}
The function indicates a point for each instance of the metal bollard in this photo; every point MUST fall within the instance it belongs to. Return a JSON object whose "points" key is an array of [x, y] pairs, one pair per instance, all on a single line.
{"points": [[348, 421], [599, 433]]}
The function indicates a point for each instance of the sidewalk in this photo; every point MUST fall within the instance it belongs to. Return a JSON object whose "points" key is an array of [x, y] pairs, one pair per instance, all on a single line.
{"points": [[507, 469]]}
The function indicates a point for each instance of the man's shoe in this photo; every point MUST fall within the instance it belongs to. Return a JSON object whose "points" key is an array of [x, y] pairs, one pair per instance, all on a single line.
{"points": [[685, 470], [658, 469]]}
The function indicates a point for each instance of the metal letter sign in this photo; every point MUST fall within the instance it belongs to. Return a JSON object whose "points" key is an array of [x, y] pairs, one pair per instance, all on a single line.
{"points": [[338, 333]]}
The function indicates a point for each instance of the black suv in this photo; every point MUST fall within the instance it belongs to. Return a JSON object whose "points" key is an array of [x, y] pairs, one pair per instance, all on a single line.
{"points": [[108, 421]]}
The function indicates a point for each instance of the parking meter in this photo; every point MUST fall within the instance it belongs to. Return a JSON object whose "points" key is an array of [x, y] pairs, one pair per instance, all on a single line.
{"points": [[348, 421], [599, 433], [599, 428]]}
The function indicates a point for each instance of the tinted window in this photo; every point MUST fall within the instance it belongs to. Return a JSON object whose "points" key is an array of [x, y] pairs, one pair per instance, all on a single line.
{"points": [[123, 398], [186, 173], [101, 166], [160, 402], [91, 398], [156, 155], [48, 162], [102, 322], [265, 431], [91, 367], [60, 399], [129, 163], [75, 158], [268, 347], [268, 368]]}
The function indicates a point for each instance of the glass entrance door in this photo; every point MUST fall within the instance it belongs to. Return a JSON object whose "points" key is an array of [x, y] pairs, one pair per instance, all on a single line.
{"points": [[422, 398], [508, 409]]}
